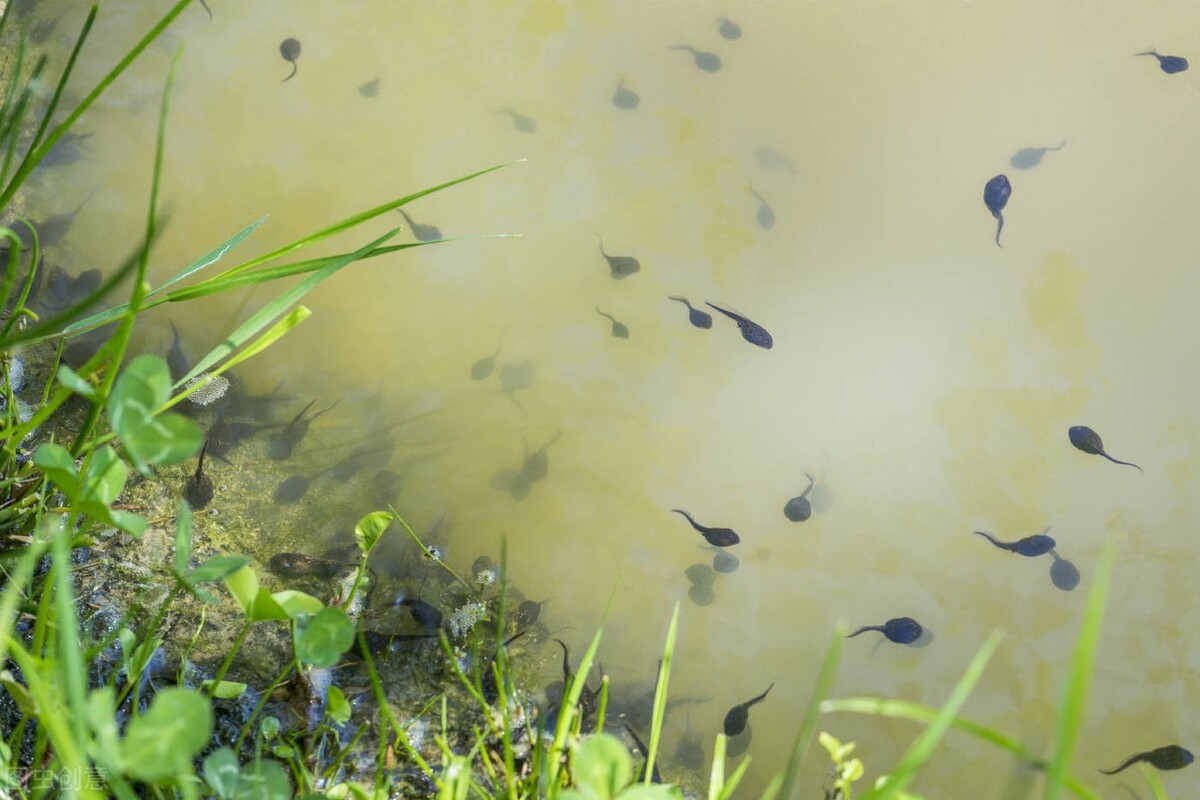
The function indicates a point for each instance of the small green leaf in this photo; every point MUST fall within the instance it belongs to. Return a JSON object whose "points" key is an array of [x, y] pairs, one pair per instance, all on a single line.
{"points": [[225, 690], [104, 477], [265, 607], [71, 380], [18, 692], [370, 528], [105, 749], [56, 462], [165, 439], [221, 773], [295, 603], [264, 780], [127, 521], [160, 744], [243, 585], [183, 537], [602, 765], [337, 707], [831, 744], [216, 569], [269, 728], [854, 770], [844, 751], [324, 637]]}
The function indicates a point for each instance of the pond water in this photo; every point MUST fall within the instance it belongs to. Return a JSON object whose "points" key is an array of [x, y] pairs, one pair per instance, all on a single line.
{"points": [[923, 375]]}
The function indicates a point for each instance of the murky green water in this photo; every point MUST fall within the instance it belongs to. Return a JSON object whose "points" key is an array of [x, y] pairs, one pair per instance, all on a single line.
{"points": [[926, 377]]}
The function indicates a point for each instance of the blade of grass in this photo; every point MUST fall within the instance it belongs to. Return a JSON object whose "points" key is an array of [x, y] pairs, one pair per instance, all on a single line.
{"points": [[120, 339], [1154, 781], [211, 257], [357, 219], [808, 726], [35, 156], [1075, 693], [920, 750], [571, 695], [915, 712], [273, 334], [661, 688], [716, 776], [276, 308]]}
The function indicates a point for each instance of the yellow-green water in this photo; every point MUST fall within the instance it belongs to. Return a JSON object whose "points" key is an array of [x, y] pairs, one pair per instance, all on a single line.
{"points": [[925, 376]]}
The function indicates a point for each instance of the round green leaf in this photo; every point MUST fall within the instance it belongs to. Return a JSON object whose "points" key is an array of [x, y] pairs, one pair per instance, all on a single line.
{"points": [[370, 528], [160, 744], [324, 637], [221, 773], [602, 765]]}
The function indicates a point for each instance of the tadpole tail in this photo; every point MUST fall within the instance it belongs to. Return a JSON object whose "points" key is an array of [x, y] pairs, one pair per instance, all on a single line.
{"points": [[999, 227], [1126, 463], [685, 514], [295, 68], [204, 5], [989, 537], [864, 629], [1126, 764]]}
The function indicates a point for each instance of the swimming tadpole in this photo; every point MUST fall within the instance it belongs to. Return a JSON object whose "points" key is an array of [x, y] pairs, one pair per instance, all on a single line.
{"points": [[588, 700], [766, 215], [421, 232], [706, 62], [1031, 546], [752, 332], [739, 715], [729, 29], [198, 491], [619, 329], [482, 368], [1063, 573], [619, 266], [521, 122], [798, 509], [208, 10], [299, 565], [424, 614], [537, 464], [516, 376], [226, 434], [281, 444], [1087, 440], [1168, 64], [698, 318], [717, 537], [641, 746], [528, 611], [370, 88], [177, 362], [995, 196], [1171, 756], [901, 630], [1030, 157], [770, 158], [54, 229], [625, 99], [290, 50]]}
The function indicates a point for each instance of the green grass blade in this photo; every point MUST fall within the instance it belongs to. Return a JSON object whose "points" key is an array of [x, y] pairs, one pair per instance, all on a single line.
{"points": [[571, 695], [1075, 694], [225, 282], [716, 776], [358, 219], [920, 750], [661, 690], [808, 726], [276, 308], [1156, 786], [915, 712], [35, 156], [211, 257]]}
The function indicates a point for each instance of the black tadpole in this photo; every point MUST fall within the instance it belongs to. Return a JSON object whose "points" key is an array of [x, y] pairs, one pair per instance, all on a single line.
{"points": [[739, 715], [901, 630], [290, 50], [198, 491], [1087, 440], [995, 196]]}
